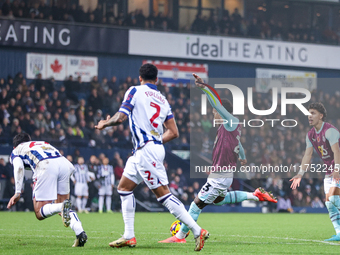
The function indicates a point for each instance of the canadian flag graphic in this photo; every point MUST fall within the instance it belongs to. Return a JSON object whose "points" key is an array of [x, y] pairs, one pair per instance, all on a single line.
{"points": [[56, 67]]}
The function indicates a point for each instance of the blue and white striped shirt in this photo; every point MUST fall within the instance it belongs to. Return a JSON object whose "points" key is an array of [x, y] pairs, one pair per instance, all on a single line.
{"points": [[81, 174], [33, 152], [147, 110], [106, 175]]}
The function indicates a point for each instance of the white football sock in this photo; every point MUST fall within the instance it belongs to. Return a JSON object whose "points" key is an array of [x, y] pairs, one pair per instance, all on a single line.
{"points": [[251, 196], [177, 209], [128, 212], [75, 223], [49, 210], [108, 203], [84, 200], [79, 204], [101, 203], [194, 212]]}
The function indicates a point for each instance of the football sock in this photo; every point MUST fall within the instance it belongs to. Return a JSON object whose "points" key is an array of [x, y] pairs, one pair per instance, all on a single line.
{"points": [[194, 212], [128, 212], [79, 204], [108, 203], [177, 209], [233, 197], [84, 200], [101, 203], [75, 223], [49, 210], [251, 196], [333, 206]]}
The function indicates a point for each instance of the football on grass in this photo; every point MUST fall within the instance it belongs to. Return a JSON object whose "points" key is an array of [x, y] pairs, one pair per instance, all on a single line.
{"points": [[175, 227]]}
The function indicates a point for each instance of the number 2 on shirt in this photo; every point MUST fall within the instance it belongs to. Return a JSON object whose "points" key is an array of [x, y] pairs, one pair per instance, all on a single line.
{"points": [[158, 108]]}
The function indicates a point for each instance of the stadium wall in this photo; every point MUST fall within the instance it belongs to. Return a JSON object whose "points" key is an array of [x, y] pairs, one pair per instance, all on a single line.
{"points": [[13, 60]]}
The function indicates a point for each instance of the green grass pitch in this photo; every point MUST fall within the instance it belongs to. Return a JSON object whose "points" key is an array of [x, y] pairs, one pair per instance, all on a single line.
{"points": [[230, 233]]}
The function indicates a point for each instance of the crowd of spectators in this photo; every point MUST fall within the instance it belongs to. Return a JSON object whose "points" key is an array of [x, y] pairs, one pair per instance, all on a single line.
{"points": [[226, 24], [76, 13], [236, 25], [66, 114]]}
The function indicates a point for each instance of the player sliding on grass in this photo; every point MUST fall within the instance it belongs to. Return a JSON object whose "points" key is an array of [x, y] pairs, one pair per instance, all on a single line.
{"points": [[148, 110], [51, 182], [324, 138], [227, 149]]}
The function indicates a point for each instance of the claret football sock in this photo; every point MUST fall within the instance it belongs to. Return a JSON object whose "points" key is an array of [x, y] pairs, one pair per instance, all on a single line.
{"points": [[49, 210], [128, 212], [75, 223], [177, 209], [233, 197]]}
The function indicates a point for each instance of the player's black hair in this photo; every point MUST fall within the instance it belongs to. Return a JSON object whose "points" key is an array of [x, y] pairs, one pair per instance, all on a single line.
{"points": [[320, 108], [227, 105], [148, 72], [21, 138]]}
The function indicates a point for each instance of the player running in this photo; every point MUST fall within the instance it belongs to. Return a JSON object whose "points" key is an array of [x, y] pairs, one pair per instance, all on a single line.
{"points": [[148, 110], [227, 149], [51, 176], [324, 138]]}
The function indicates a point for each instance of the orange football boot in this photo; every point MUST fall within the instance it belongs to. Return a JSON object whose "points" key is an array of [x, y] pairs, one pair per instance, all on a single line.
{"points": [[173, 239], [200, 240], [264, 195], [122, 242]]}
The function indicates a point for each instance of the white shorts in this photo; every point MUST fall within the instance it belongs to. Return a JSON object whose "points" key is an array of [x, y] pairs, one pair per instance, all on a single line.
{"points": [[213, 188], [81, 189], [105, 190], [328, 183], [147, 165], [52, 177]]}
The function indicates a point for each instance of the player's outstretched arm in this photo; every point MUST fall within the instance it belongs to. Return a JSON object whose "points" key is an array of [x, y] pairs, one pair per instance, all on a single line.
{"points": [[171, 132], [117, 119], [18, 168], [213, 100], [241, 154], [304, 166]]}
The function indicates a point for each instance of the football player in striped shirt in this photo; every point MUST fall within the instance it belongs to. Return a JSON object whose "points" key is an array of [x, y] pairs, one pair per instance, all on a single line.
{"points": [[80, 179], [51, 176], [148, 110], [107, 180]]}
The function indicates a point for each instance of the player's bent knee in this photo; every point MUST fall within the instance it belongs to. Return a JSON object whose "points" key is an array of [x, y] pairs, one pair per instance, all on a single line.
{"points": [[122, 189], [38, 215], [200, 204], [332, 199]]}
